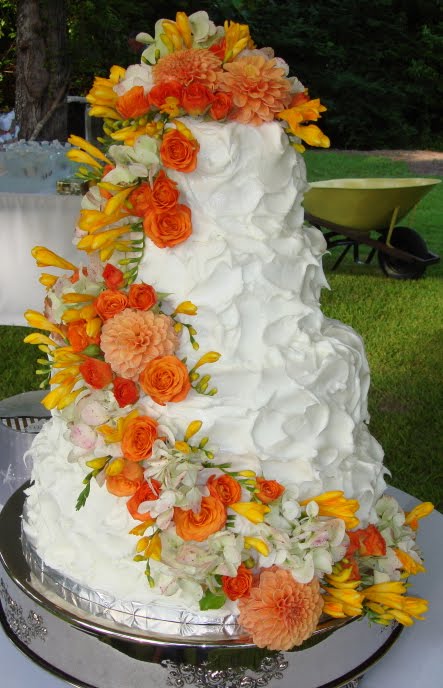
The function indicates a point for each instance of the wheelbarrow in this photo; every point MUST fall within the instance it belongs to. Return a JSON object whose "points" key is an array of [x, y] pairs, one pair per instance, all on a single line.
{"points": [[352, 212]]}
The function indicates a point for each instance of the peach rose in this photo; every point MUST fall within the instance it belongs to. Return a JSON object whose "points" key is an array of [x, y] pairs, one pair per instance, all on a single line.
{"points": [[164, 379], [225, 488], [167, 89], [127, 482], [142, 296], [138, 437], [170, 227], [96, 373], [134, 103], [221, 105], [109, 303], [164, 193], [196, 98], [269, 490], [125, 391], [147, 492], [178, 152], [113, 277], [199, 526], [238, 586]]}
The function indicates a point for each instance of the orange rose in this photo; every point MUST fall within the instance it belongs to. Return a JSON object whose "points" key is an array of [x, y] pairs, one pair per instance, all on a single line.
{"points": [[141, 200], [368, 542], [134, 103], [165, 378], [225, 488], [142, 296], [164, 192], [221, 105], [127, 482], [96, 373], [125, 391], [167, 89], [114, 278], [170, 227], [138, 437], [210, 519], [147, 492], [269, 490], [78, 337], [178, 152], [238, 586], [196, 98], [109, 303]]}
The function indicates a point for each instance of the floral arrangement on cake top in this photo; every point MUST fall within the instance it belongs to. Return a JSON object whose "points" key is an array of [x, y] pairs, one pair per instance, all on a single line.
{"points": [[202, 523]]}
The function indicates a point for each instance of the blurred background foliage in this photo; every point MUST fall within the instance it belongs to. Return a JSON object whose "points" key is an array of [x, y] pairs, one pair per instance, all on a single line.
{"points": [[376, 64]]}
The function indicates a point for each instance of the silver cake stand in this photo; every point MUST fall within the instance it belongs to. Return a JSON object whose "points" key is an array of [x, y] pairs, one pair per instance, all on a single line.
{"points": [[93, 651]]}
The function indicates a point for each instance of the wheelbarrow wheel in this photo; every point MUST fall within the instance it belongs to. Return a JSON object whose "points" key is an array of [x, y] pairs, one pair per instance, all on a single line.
{"points": [[406, 239]]}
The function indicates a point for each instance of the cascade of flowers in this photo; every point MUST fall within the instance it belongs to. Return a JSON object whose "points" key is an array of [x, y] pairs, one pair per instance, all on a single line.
{"points": [[201, 525]]}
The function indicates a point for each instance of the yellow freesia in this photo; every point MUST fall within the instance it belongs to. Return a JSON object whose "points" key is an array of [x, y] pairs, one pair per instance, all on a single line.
{"points": [[175, 39], [336, 505], [80, 142], [183, 129], [115, 203], [253, 511], [104, 112], [47, 280], [184, 27], [418, 512], [257, 544], [73, 297], [46, 258], [40, 322], [409, 565], [115, 434], [97, 464], [154, 548], [237, 38], [349, 601], [192, 429], [186, 308], [80, 156], [182, 447], [38, 338], [115, 467], [209, 357], [102, 96]]}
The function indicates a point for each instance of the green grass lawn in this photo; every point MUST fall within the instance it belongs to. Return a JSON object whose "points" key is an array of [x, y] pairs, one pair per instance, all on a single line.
{"points": [[400, 322]]}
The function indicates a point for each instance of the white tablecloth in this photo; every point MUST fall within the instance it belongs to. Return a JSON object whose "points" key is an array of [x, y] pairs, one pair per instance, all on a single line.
{"points": [[28, 220], [415, 660]]}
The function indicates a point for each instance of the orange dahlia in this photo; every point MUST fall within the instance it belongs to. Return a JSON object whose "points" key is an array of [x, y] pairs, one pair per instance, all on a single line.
{"points": [[280, 613], [188, 66], [259, 89], [133, 338]]}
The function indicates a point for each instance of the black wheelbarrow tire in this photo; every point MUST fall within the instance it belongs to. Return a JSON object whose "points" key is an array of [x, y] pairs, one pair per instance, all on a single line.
{"points": [[408, 240]]}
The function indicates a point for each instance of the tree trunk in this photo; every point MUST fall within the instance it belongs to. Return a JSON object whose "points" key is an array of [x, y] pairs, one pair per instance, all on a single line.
{"points": [[42, 70]]}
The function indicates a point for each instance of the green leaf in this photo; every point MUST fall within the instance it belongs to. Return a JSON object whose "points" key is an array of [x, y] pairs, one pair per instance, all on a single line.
{"points": [[93, 351], [211, 601]]}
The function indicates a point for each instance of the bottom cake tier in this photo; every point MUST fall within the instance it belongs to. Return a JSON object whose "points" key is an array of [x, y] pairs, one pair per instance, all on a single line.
{"points": [[94, 651]]}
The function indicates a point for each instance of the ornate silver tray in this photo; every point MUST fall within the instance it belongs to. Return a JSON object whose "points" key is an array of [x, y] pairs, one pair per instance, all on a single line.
{"points": [[98, 651]]}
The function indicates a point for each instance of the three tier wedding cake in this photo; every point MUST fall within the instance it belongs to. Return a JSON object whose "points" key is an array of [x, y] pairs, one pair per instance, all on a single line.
{"points": [[209, 448]]}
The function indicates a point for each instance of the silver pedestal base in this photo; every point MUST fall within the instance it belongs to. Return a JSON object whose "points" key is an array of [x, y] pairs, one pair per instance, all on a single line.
{"points": [[90, 653]]}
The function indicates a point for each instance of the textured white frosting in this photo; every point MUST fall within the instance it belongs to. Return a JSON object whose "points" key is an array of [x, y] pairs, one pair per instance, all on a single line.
{"points": [[292, 384]]}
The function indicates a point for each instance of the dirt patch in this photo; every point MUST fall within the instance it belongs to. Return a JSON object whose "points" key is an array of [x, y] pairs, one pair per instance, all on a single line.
{"points": [[420, 162]]}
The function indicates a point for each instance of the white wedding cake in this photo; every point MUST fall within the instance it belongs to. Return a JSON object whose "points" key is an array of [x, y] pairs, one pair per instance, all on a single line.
{"points": [[285, 405]]}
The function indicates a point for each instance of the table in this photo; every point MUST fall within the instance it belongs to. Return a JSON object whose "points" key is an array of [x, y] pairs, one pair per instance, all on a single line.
{"points": [[28, 220], [413, 662]]}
